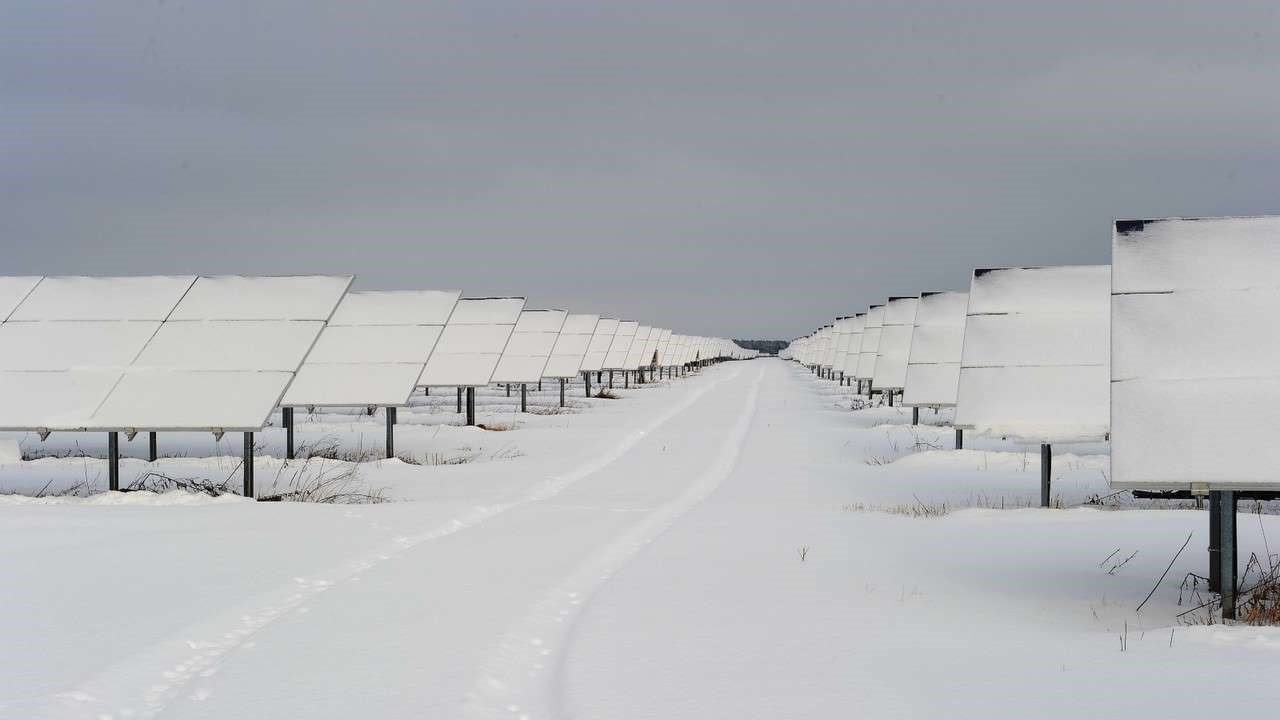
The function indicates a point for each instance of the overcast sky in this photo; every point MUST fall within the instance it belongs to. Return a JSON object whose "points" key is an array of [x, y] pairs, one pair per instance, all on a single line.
{"points": [[738, 168]]}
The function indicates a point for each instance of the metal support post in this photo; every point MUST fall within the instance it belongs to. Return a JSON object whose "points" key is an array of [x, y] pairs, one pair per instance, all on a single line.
{"points": [[1227, 553], [391, 432], [248, 465], [1046, 473], [286, 419], [113, 461]]}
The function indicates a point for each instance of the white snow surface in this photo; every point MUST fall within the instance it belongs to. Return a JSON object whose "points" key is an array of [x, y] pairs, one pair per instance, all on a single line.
{"points": [[718, 546]]}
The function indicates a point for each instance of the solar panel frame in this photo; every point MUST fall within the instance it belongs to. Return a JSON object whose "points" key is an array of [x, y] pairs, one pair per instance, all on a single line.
{"points": [[869, 343], [1035, 365], [1194, 360], [373, 350], [890, 372], [616, 358], [937, 343], [210, 362], [571, 346], [601, 340], [635, 353], [469, 349], [529, 350], [854, 335]]}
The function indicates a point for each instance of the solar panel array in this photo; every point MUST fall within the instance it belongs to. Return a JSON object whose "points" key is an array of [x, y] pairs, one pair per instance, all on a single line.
{"points": [[157, 352]]}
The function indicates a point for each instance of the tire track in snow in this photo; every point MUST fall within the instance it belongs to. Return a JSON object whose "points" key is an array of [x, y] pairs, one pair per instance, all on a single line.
{"points": [[143, 685], [524, 678]]}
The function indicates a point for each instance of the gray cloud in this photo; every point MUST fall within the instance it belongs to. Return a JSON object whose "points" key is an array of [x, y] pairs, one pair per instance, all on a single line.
{"points": [[740, 168]]}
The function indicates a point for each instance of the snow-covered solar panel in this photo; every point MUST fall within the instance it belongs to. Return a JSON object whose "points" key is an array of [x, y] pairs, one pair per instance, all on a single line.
{"points": [[158, 352], [109, 299], [843, 336], [571, 346], [635, 354], [853, 342], [664, 344], [68, 341], [675, 351], [895, 343], [869, 343], [933, 368], [13, 289], [472, 342], [1195, 355], [616, 358], [526, 355], [601, 339], [826, 352], [221, 361], [373, 349], [650, 355], [1036, 359]]}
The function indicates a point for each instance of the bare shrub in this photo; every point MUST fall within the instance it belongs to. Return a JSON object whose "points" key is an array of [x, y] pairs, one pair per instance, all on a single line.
{"points": [[159, 483], [605, 394], [322, 481]]}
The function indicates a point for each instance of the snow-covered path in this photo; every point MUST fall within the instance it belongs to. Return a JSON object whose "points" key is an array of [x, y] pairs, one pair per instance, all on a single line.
{"points": [[717, 552]]}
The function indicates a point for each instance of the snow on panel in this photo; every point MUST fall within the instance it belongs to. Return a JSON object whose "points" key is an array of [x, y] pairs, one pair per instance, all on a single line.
{"points": [[650, 354], [190, 400], [52, 400], [487, 311], [248, 346], [635, 355], [103, 298], [616, 358], [933, 367], [844, 336], [869, 344], [1195, 363], [76, 335], [471, 345], [895, 344], [330, 384], [1036, 359], [236, 297], [374, 344], [237, 340], [13, 289], [571, 346], [396, 307], [72, 344], [854, 334], [664, 344], [601, 339], [373, 349], [526, 354], [826, 351]]}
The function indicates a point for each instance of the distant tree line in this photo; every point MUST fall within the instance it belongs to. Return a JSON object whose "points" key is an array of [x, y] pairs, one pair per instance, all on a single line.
{"points": [[765, 346]]}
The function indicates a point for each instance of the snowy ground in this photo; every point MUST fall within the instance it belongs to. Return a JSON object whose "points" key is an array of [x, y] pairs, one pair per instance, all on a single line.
{"points": [[738, 544]]}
